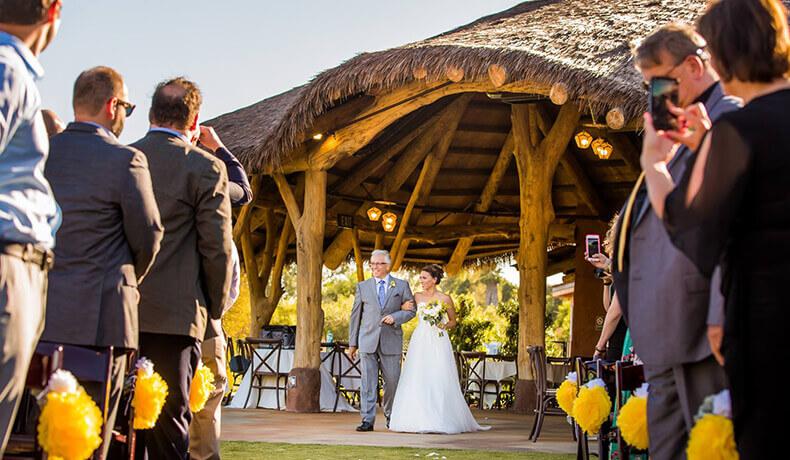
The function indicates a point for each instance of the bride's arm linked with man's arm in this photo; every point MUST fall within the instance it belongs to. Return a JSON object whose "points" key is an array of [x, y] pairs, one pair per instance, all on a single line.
{"points": [[353, 325], [405, 314]]}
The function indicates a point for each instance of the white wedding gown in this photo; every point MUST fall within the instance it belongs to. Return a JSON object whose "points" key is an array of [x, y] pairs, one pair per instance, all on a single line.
{"points": [[429, 397]]}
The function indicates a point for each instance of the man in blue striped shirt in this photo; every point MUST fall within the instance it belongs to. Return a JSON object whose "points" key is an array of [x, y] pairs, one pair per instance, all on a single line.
{"points": [[29, 216]]}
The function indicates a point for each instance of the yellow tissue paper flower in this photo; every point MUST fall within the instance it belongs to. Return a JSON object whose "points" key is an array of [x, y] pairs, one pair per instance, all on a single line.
{"points": [[566, 395], [201, 388], [592, 408], [150, 391], [632, 421], [712, 438], [69, 427]]}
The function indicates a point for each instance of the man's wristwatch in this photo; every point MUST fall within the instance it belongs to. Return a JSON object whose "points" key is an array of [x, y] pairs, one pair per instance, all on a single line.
{"points": [[600, 350]]}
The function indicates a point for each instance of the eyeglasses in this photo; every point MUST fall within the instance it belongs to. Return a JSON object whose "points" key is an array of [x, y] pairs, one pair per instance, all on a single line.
{"points": [[646, 84], [379, 263], [128, 106]]}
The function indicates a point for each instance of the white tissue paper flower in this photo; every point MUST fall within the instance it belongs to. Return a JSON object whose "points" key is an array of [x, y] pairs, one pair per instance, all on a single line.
{"points": [[62, 382], [145, 365], [595, 383], [722, 404], [572, 377], [641, 392]]}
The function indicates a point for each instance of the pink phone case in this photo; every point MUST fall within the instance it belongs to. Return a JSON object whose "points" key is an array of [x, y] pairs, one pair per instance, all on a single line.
{"points": [[589, 237]]}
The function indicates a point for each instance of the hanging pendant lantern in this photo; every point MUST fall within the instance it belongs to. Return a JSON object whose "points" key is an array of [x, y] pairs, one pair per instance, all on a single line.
{"points": [[389, 221], [583, 139], [374, 214]]}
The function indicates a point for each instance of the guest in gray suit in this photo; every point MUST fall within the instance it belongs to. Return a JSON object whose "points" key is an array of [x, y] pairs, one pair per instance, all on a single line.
{"points": [[670, 307], [110, 232], [189, 283], [376, 334]]}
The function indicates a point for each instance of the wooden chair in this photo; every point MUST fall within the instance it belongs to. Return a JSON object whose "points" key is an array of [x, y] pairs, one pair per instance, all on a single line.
{"points": [[23, 442], [506, 389], [345, 369], [628, 377], [546, 398], [474, 374], [238, 363], [261, 351]]}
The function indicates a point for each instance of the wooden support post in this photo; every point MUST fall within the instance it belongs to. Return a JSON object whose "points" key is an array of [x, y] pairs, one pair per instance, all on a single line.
{"points": [[379, 244], [304, 386], [358, 255], [536, 160], [264, 302], [588, 313]]}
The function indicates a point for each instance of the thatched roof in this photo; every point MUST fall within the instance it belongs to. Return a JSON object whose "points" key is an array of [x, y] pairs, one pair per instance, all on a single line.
{"points": [[584, 44]]}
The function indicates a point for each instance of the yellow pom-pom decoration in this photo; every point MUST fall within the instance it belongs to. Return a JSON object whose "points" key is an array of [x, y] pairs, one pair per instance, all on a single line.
{"points": [[632, 421], [712, 438], [201, 388], [566, 395], [150, 392], [592, 406], [70, 423]]}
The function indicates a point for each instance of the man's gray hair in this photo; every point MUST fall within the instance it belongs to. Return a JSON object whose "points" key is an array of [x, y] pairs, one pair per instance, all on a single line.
{"points": [[381, 252]]}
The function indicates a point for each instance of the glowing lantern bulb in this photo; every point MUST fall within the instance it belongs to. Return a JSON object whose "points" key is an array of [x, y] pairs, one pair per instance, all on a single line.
{"points": [[374, 214], [583, 139]]}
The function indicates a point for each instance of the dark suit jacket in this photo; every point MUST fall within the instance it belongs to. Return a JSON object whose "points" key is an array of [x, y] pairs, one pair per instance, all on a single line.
{"points": [[191, 277], [108, 240], [666, 301]]}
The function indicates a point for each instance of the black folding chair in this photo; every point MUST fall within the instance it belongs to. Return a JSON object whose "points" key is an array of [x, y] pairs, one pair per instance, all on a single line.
{"points": [[628, 377], [23, 442], [261, 350]]}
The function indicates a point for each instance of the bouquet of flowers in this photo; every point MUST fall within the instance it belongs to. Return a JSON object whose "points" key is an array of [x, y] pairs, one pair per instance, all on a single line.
{"points": [[435, 313]]}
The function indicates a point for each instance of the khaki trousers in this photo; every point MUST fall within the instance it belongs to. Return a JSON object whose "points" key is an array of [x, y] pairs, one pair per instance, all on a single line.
{"points": [[23, 288], [204, 431]]}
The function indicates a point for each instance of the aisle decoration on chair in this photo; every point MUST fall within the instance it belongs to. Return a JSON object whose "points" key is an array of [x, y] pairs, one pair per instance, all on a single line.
{"points": [[713, 437], [150, 391], [633, 419], [592, 406], [69, 426], [566, 393], [201, 388]]}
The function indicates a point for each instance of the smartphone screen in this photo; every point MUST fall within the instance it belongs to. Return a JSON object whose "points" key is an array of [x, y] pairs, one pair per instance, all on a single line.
{"points": [[663, 92], [593, 245]]}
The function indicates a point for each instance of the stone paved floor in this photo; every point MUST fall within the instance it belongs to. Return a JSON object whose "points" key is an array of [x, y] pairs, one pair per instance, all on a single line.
{"points": [[509, 431]]}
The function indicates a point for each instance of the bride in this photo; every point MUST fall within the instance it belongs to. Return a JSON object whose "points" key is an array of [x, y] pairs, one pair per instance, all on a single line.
{"points": [[429, 397]]}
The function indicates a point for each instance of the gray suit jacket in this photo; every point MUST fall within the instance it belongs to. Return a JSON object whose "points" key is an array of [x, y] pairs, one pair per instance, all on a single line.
{"points": [[669, 302], [191, 277], [365, 328], [107, 242]]}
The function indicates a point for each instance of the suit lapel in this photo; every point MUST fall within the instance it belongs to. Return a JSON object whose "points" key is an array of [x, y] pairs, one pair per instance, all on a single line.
{"points": [[390, 291], [374, 291]]}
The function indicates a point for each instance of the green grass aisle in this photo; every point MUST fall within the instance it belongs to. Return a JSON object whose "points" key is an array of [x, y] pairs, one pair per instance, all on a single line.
{"points": [[236, 450]]}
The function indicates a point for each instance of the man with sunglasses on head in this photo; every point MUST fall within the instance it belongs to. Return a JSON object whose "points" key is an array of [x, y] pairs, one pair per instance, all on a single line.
{"points": [[675, 314], [110, 233], [29, 215]]}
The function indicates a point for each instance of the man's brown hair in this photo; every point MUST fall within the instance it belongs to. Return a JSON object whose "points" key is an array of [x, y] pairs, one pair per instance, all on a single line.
{"points": [[676, 39], [24, 12], [94, 87], [748, 39], [176, 102]]}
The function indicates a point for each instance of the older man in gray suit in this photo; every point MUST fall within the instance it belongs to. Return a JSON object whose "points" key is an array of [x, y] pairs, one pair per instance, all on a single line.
{"points": [[375, 332], [111, 229], [668, 304]]}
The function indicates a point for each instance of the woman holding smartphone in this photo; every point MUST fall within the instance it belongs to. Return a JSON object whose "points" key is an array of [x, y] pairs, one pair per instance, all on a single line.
{"points": [[733, 206]]}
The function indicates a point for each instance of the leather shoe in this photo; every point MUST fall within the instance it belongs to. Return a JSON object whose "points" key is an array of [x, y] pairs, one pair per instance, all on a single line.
{"points": [[388, 423], [366, 426]]}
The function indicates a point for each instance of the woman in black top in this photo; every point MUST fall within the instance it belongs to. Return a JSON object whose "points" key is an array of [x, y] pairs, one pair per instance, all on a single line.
{"points": [[733, 206]]}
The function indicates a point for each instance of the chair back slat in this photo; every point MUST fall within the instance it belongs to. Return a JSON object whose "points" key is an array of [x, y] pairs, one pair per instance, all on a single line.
{"points": [[537, 357], [263, 350]]}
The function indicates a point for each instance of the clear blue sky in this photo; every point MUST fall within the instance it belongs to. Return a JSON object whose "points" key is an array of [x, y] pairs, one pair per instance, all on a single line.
{"points": [[238, 51]]}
